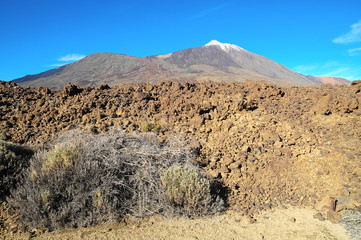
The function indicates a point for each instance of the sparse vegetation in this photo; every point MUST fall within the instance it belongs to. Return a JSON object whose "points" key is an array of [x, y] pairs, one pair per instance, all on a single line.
{"points": [[62, 156], [46, 197], [2, 137], [87, 179], [98, 198], [148, 127], [156, 126], [187, 188], [13, 159]]}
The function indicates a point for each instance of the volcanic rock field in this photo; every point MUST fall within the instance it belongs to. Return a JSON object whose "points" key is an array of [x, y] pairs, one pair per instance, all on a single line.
{"points": [[267, 145]]}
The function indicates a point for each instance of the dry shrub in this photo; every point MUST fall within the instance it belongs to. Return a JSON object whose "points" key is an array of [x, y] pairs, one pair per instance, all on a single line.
{"points": [[13, 159], [87, 179]]}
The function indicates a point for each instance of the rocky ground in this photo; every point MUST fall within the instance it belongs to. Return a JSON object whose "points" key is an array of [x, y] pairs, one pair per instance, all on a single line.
{"points": [[268, 145]]}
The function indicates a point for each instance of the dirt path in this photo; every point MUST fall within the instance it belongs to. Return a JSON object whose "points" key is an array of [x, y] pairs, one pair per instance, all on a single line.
{"points": [[290, 223]]}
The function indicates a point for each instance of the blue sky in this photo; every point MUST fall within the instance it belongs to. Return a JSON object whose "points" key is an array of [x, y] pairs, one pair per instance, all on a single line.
{"points": [[311, 37]]}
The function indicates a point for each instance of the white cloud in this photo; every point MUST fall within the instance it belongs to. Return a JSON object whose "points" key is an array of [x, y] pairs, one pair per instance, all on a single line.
{"points": [[208, 11], [354, 35], [338, 71], [57, 65], [305, 68], [67, 59], [71, 57], [354, 52], [331, 64]]}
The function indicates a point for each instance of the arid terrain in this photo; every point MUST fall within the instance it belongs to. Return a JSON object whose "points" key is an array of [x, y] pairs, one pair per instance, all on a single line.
{"points": [[290, 223], [270, 146]]}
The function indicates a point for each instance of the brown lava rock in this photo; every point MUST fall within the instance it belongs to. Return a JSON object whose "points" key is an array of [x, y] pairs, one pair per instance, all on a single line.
{"points": [[269, 145]]}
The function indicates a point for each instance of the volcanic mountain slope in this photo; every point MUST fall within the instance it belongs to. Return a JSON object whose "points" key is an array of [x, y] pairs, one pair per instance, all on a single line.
{"points": [[234, 59], [215, 61]]}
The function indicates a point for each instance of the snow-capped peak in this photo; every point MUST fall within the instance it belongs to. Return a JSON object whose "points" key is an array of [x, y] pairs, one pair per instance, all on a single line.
{"points": [[224, 46]]}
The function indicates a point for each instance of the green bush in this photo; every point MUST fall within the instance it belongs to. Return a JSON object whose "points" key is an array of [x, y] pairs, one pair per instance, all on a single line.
{"points": [[62, 156], [186, 187]]}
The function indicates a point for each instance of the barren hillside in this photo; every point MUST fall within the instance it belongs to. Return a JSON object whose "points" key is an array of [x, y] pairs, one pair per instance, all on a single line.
{"points": [[215, 61]]}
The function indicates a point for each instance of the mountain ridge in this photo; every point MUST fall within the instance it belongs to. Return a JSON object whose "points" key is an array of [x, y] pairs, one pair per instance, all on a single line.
{"points": [[214, 61]]}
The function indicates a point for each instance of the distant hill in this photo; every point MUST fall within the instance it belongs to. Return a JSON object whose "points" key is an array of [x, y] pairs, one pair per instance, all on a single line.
{"points": [[334, 80], [215, 61]]}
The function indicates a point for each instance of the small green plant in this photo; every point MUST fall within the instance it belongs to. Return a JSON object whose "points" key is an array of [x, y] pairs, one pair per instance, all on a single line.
{"points": [[62, 156], [148, 127], [33, 174], [186, 187], [156, 126], [98, 198], [45, 197]]}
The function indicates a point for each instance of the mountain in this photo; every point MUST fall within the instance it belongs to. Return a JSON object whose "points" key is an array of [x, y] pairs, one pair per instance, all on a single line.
{"points": [[214, 61], [333, 80]]}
